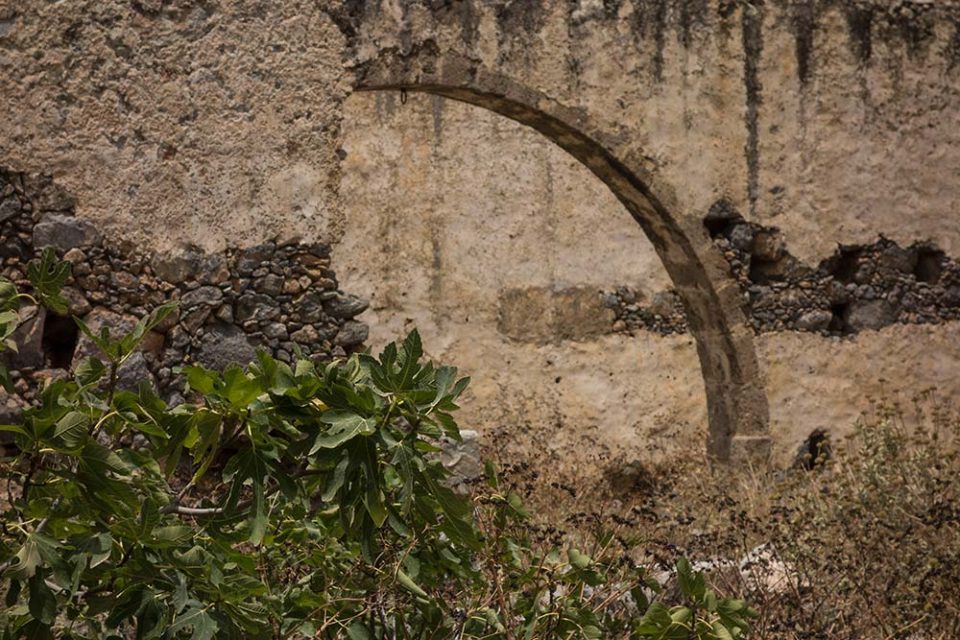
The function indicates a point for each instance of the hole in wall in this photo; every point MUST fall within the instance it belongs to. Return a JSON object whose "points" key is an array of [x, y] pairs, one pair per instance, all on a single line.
{"points": [[838, 321], [721, 219], [929, 265], [814, 451], [844, 266], [59, 341], [717, 227]]}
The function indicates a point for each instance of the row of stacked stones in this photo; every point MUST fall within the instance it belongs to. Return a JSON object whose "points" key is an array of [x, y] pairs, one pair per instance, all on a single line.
{"points": [[859, 287], [281, 298], [662, 313]]}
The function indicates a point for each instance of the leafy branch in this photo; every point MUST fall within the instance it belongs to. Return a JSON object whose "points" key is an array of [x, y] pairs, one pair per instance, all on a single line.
{"points": [[288, 501]]}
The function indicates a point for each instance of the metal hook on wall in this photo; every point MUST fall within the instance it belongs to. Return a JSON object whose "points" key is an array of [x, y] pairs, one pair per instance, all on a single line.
{"points": [[403, 96]]}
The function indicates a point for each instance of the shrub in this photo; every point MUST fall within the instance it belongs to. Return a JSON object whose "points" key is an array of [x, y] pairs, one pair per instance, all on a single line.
{"points": [[290, 501], [873, 536], [863, 544]]}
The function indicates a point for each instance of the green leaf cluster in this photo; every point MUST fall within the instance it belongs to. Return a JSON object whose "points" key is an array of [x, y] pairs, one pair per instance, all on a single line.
{"points": [[703, 615], [47, 276], [281, 502]]}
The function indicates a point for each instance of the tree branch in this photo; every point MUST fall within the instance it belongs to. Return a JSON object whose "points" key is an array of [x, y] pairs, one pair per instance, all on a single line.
{"points": [[192, 511]]}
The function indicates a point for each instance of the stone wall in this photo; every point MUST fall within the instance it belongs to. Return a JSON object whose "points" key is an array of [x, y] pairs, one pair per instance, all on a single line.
{"points": [[816, 138], [860, 287], [281, 298]]}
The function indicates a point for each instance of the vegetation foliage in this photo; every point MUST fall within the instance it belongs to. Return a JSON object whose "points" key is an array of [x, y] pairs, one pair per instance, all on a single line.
{"points": [[863, 542], [290, 501], [872, 537]]}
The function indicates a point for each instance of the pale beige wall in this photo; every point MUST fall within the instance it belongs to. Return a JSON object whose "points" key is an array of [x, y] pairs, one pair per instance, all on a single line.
{"points": [[818, 383], [221, 125], [856, 150], [446, 206], [210, 124]]}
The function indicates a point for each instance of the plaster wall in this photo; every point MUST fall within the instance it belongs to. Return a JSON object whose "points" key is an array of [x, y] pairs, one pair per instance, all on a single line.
{"points": [[172, 123], [447, 206], [835, 123], [227, 123]]}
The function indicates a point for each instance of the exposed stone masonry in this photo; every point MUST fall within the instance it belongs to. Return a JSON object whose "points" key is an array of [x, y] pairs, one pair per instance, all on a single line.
{"points": [[286, 298], [662, 314], [281, 298], [859, 287]]}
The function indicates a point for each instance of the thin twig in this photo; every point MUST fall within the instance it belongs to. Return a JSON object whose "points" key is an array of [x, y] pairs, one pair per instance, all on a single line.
{"points": [[192, 511]]}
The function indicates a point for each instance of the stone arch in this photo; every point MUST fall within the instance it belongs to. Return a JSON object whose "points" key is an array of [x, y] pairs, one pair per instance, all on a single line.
{"points": [[736, 402]]}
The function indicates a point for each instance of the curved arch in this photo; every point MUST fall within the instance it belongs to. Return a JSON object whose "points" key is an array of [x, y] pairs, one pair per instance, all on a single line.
{"points": [[736, 403]]}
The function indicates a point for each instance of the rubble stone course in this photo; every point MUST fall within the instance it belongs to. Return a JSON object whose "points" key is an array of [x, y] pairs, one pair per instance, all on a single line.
{"points": [[285, 298], [860, 287], [230, 304]]}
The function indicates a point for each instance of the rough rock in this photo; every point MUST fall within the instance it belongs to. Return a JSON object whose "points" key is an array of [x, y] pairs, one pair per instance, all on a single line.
{"points": [[345, 306], [253, 257], [78, 305], [11, 410], [75, 257], [305, 335], [134, 371], [741, 237], [255, 306], [951, 296], [292, 287], [224, 345], [309, 306], [65, 232], [225, 313], [816, 320], [9, 207], [47, 195], [213, 269], [206, 295], [193, 320], [276, 330], [270, 284], [663, 303], [895, 258], [352, 334], [872, 314], [462, 459], [178, 267]]}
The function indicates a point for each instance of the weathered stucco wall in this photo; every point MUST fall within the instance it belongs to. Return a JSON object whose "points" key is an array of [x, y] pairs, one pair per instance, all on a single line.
{"points": [[833, 122], [210, 123], [221, 124], [487, 237], [836, 120]]}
